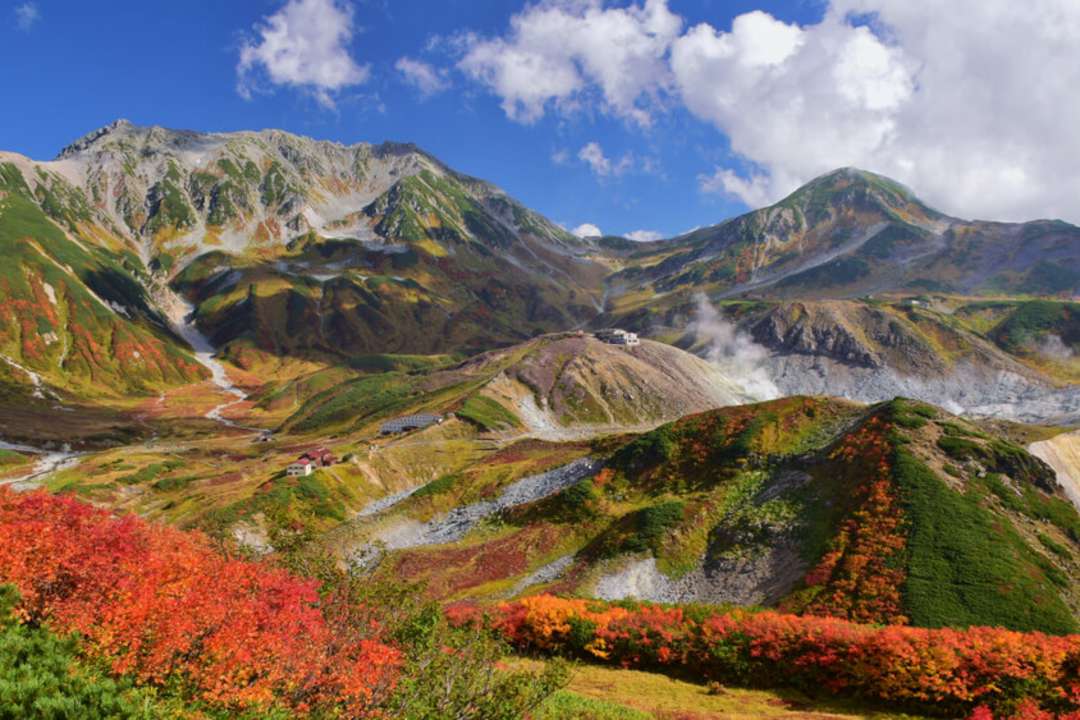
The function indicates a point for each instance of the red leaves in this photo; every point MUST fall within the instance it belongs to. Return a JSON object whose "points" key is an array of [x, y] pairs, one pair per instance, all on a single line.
{"points": [[958, 671], [857, 577], [161, 605]]}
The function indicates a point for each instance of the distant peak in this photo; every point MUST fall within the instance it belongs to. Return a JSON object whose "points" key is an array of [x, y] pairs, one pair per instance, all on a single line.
{"points": [[849, 177]]}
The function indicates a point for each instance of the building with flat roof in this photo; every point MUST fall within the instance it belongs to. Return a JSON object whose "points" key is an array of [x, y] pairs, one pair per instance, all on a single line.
{"points": [[300, 468], [618, 336], [409, 422]]}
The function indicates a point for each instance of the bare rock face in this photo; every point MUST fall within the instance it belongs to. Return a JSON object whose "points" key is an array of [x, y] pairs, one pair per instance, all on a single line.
{"points": [[798, 329], [579, 380]]}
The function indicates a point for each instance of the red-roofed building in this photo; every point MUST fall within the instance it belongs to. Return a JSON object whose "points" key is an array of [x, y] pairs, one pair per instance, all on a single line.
{"points": [[311, 461], [320, 457]]}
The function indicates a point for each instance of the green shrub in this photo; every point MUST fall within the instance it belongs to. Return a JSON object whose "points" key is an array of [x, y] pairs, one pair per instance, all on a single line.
{"points": [[650, 525], [439, 486], [41, 678], [566, 705], [9, 457], [1054, 546], [450, 672], [1033, 319], [648, 450], [150, 472], [966, 567], [961, 449], [174, 483], [577, 502], [955, 430], [354, 400]]}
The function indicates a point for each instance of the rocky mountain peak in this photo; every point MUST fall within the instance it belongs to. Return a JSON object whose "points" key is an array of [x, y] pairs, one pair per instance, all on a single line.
{"points": [[90, 138]]}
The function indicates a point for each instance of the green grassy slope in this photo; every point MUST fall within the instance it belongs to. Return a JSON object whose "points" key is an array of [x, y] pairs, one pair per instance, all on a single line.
{"points": [[76, 313], [883, 517]]}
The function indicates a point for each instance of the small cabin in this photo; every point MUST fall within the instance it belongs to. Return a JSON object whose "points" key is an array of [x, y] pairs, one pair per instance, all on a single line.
{"points": [[618, 336], [409, 422], [300, 468], [309, 462]]}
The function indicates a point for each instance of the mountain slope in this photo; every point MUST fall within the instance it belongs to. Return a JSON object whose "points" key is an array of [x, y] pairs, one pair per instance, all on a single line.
{"points": [[1012, 358], [892, 513], [555, 386], [851, 233], [76, 317], [289, 245]]}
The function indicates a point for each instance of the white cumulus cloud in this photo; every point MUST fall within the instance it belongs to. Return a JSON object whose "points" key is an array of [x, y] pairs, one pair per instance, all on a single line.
{"points": [[303, 45], [970, 103], [426, 78], [795, 101], [26, 15], [586, 230], [965, 103], [561, 53]]}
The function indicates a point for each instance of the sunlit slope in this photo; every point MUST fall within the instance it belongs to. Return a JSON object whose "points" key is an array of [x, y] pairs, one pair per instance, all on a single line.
{"points": [[894, 513]]}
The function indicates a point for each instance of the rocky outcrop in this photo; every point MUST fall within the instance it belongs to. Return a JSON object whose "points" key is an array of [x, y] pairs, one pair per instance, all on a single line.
{"points": [[795, 329]]}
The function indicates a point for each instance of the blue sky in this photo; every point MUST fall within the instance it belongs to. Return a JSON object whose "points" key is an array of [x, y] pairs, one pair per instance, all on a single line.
{"points": [[715, 115]]}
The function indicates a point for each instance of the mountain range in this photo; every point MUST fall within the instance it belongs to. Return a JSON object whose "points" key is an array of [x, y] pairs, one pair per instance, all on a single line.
{"points": [[277, 246], [361, 365]]}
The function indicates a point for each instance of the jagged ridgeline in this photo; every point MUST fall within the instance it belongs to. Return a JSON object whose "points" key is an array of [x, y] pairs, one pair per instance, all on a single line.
{"points": [[290, 245], [851, 233]]}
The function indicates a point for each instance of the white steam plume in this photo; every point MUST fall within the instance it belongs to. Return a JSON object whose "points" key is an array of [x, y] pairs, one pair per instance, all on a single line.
{"points": [[734, 352]]}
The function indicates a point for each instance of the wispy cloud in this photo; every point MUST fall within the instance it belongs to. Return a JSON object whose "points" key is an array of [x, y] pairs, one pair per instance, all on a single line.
{"points": [[425, 77], [592, 154], [644, 235], [26, 16], [561, 157]]}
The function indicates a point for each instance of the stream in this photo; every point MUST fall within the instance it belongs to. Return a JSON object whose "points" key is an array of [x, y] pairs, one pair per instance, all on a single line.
{"points": [[48, 462], [181, 316]]}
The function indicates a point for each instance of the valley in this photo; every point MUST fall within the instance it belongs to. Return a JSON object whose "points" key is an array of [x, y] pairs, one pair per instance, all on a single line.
{"points": [[847, 405]]}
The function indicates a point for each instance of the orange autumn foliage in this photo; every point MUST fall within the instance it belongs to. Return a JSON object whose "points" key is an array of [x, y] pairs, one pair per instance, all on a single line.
{"points": [[857, 578], [933, 671], [164, 607]]}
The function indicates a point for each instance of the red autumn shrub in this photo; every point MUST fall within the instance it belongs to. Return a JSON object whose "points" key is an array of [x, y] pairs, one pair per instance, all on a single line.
{"points": [[858, 577], [164, 606], [936, 671]]}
